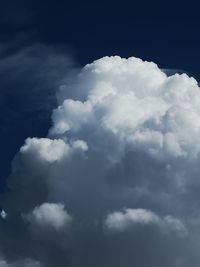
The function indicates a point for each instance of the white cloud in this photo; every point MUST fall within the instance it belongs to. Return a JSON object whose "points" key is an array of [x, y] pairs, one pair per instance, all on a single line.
{"points": [[49, 215], [122, 220], [124, 135], [50, 150], [135, 102], [125, 220]]}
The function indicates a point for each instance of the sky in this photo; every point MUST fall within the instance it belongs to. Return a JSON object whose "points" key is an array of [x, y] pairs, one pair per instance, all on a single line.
{"points": [[99, 134]]}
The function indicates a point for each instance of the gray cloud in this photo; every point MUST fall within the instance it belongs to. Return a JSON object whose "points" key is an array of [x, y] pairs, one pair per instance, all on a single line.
{"points": [[115, 182], [29, 78]]}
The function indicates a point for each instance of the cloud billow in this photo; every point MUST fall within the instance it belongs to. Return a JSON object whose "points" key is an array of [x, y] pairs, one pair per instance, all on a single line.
{"points": [[116, 181]]}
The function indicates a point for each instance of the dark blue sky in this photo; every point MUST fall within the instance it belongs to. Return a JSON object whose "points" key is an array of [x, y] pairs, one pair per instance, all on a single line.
{"points": [[166, 33], [163, 32]]}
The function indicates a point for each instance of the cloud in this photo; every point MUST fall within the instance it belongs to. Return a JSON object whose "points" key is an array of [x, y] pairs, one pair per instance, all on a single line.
{"points": [[122, 156], [24, 263], [3, 214], [120, 221], [133, 85], [30, 76], [50, 150], [49, 215]]}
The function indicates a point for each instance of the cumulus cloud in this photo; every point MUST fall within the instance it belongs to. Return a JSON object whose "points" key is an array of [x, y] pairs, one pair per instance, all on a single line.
{"points": [[133, 85], [121, 221], [122, 157], [49, 215], [50, 150]]}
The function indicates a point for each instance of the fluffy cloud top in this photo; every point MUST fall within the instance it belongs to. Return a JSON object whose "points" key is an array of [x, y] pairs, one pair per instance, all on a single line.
{"points": [[136, 103], [123, 156], [49, 215], [51, 150], [121, 221]]}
